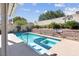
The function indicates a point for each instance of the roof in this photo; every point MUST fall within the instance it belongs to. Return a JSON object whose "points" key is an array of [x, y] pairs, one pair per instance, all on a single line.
{"points": [[11, 8]]}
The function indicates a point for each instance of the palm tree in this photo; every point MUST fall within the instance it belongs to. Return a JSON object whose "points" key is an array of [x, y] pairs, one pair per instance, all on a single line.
{"points": [[68, 17], [64, 19]]}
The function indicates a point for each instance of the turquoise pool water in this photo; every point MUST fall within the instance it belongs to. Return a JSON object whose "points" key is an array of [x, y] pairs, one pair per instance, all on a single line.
{"points": [[39, 43]]}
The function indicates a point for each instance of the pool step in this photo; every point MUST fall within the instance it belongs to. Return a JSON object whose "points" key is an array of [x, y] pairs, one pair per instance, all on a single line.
{"points": [[52, 40], [39, 49]]}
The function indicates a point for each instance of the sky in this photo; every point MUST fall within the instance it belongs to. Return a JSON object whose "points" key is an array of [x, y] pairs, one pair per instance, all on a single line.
{"points": [[31, 11]]}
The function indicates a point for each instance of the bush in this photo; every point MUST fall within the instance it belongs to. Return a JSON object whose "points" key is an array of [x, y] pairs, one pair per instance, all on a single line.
{"points": [[62, 25], [36, 26], [71, 25], [44, 26], [18, 28], [54, 25], [29, 29], [68, 24], [50, 26]]}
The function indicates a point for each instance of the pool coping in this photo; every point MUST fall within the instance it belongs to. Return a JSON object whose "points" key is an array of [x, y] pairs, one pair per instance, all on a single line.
{"points": [[48, 36]]}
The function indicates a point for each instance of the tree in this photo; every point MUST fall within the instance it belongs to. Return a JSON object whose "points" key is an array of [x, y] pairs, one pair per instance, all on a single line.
{"points": [[50, 15], [47, 15], [59, 13], [42, 17], [20, 21]]}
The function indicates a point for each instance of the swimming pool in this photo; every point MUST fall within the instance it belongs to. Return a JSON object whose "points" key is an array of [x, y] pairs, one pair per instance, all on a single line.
{"points": [[38, 43]]}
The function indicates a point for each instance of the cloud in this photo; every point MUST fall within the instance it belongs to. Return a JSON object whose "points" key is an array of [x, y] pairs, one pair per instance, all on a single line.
{"points": [[37, 11], [45, 11], [49, 3], [59, 5], [69, 11], [34, 4], [26, 9]]}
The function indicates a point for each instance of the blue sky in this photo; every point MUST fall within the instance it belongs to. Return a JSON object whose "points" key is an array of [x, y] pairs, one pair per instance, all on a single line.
{"points": [[31, 11]]}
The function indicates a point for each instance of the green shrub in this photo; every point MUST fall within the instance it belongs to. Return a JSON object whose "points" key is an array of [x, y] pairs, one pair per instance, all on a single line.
{"points": [[18, 28], [54, 26], [36, 26], [71, 25], [50, 26], [44, 26], [68, 24], [39, 26], [62, 25]]}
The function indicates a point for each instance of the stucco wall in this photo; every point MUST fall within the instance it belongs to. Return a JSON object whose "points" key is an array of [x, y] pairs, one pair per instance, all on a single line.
{"points": [[57, 20], [12, 27]]}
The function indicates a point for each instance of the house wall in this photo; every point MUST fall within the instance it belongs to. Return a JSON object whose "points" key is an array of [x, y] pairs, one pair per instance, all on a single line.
{"points": [[10, 27]]}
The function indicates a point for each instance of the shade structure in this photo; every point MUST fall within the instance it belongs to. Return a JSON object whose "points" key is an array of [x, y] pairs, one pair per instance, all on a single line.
{"points": [[10, 8], [7, 9]]}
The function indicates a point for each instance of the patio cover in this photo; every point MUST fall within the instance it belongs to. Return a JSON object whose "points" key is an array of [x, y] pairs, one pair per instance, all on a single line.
{"points": [[6, 9]]}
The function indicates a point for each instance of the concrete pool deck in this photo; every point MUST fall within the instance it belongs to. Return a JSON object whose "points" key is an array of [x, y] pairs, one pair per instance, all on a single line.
{"points": [[16, 47], [65, 48]]}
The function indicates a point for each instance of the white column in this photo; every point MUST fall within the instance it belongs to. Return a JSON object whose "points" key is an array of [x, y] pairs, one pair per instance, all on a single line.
{"points": [[3, 29]]}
